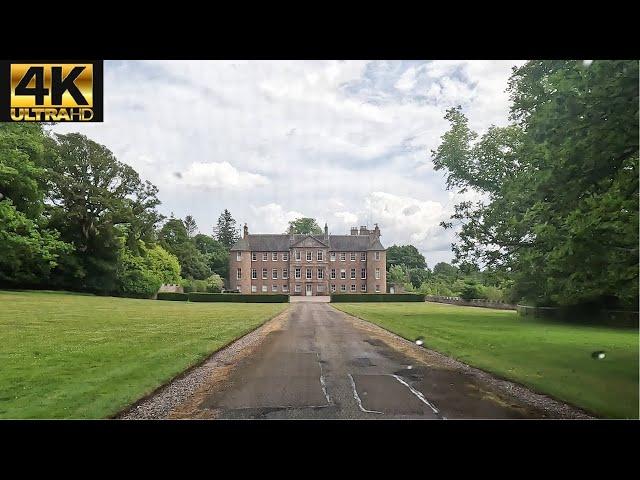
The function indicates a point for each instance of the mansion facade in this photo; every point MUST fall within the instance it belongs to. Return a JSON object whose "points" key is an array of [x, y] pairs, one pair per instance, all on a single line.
{"points": [[296, 264]]}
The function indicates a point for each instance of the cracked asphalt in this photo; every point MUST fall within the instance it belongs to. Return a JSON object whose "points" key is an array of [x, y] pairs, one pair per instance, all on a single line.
{"points": [[323, 364]]}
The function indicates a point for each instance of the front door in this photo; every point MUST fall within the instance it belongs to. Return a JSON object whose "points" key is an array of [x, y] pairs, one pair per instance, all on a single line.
{"points": [[309, 289]]}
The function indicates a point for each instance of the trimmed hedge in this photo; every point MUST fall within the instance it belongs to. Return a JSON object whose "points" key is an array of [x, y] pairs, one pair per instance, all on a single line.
{"points": [[239, 298], [175, 296], [377, 297]]}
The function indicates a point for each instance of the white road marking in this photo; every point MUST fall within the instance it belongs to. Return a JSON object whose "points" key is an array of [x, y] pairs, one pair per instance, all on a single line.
{"points": [[322, 382], [418, 394], [357, 397]]}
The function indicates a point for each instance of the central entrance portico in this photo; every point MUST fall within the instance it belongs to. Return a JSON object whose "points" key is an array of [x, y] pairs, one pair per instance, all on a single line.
{"points": [[309, 289]]}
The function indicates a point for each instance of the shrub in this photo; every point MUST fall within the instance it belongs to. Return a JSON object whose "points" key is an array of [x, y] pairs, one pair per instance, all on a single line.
{"points": [[134, 277], [493, 294], [164, 264], [214, 283], [470, 291], [173, 296], [377, 297], [436, 287], [190, 285], [220, 297]]}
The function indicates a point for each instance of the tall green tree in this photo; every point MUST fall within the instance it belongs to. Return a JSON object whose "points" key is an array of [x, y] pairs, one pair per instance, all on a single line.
{"points": [[22, 175], [97, 203], [29, 247], [418, 275], [305, 225], [173, 237], [226, 231], [27, 252], [446, 271], [406, 255], [560, 184], [216, 253], [190, 225]]}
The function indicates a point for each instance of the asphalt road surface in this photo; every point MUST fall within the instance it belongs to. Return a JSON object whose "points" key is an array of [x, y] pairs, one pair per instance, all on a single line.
{"points": [[321, 364]]}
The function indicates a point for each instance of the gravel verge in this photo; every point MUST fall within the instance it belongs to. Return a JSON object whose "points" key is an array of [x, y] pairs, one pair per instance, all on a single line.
{"points": [[554, 408], [161, 402]]}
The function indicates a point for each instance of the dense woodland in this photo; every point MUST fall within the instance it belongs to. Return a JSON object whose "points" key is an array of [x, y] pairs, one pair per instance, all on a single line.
{"points": [[73, 217], [558, 223]]}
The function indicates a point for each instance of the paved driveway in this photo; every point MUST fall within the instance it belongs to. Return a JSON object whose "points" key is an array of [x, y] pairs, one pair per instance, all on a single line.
{"points": [[322, 363]]}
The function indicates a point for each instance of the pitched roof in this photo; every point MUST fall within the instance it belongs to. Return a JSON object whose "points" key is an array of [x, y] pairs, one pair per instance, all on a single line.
{"points": [[282, 242]]}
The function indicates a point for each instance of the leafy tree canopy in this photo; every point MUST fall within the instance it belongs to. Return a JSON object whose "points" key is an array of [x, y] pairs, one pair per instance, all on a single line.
{"points": [[97, 203], [22, 175], [560, 184], [216, 253], [174, 238], [446, 270], [28, 253], [406, 255], [305, 225]]}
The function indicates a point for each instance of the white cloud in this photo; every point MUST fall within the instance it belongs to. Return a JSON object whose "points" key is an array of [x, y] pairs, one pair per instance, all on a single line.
{"points": [[407, 80], [272, 218], [276, 138], [220, 176], [404, 220], [347, 218]]}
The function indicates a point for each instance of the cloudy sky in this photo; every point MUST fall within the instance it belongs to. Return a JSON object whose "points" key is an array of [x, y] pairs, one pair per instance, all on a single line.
{"points": [[346, 142]]}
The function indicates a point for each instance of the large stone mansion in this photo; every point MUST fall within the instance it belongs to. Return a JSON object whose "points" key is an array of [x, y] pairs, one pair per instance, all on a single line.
{"points": [[296, 264]]}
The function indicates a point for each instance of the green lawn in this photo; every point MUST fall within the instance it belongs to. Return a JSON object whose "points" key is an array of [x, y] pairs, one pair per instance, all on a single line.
{"points": [[548, 357], [81, 356]]}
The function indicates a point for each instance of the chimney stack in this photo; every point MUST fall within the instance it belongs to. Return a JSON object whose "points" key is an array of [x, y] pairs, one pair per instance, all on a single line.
{"points": [[376, 231], [354, 230], [326, 231], [246, 231], [363, 230]]}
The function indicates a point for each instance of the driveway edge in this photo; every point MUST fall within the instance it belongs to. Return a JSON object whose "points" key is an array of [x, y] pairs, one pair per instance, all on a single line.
{"points": [[162, 400], [556, 408]]}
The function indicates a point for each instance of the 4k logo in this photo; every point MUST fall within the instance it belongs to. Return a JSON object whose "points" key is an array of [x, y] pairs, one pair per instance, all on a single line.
{"points": [[53, 92]]}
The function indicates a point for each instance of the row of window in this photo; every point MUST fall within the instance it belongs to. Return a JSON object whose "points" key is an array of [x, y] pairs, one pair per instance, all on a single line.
{"points": [[309, 256], [265, 256], [308, 273], [363, 288], [265, 288], [298, 288]]}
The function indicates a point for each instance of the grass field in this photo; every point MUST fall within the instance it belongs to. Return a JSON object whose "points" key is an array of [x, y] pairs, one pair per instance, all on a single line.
{"points": [[548, 357], [82, 356]]}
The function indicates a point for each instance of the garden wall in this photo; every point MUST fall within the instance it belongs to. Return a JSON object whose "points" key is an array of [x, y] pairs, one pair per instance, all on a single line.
{"points": [[476, 302]]}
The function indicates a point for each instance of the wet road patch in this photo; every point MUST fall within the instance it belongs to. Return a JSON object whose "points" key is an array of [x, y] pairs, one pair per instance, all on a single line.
{"points": [[461, 396], [362, 362]]}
